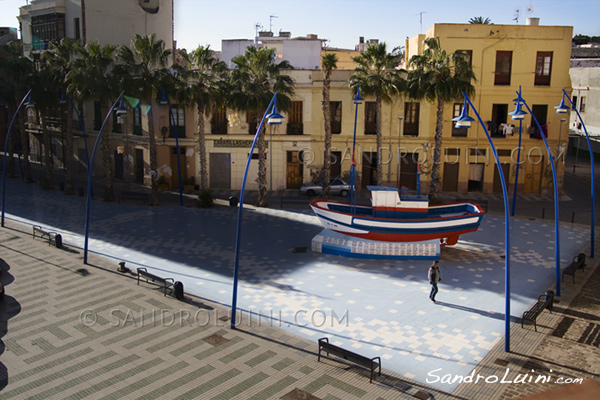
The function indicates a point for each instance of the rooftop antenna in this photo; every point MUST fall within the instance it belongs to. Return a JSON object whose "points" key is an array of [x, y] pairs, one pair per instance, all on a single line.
{"points": [[530, 8], [271, 22], [257, 26], [421, 21], [516, 18]]}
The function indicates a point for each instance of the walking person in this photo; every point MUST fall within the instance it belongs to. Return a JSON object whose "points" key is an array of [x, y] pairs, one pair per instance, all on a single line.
{"points": [[434, 278]]}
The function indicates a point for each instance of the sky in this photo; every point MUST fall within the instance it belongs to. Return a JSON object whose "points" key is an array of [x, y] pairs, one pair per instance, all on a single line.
{"points": [[342, 22]]}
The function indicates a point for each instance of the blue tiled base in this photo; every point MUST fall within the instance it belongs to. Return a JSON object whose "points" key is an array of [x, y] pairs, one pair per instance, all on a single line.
{"points": [[330, 242]]}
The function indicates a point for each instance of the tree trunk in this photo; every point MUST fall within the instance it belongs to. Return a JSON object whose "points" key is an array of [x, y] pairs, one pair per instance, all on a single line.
{"points": [[434, 188], [202, 150], [378, 115], [25, 148], [69, 153], [48, 184], [153, 160], [327, 119], [263, 200], [109, 194]]}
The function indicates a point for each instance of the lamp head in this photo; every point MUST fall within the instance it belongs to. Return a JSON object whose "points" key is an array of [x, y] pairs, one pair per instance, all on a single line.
{"points": [[63, 97], [518, 112], [121, 109], [29, 103], [275, 118], [562, 108], [164, 100], [357, 99], [463, 120]]}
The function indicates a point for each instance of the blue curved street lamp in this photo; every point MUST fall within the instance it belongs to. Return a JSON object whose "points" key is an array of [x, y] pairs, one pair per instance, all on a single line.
{"points": [[120, 110], [555, 184], [464, 121], [273, 119], [164, 101], [562, 108], [517, 114], [357, 101], [28, 104]]}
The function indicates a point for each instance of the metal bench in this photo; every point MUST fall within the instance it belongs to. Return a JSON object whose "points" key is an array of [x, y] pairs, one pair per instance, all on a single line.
{"points": [[577, 263], [164, 282], [52, 237], [370, 363], [143, 197], [543, 302]]}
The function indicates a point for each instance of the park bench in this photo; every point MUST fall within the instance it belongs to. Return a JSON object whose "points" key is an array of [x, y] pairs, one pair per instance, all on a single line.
{"points": [[143, 197], [52, 237], [543, 302], [577, 263], [164, 282], [370, 363]]}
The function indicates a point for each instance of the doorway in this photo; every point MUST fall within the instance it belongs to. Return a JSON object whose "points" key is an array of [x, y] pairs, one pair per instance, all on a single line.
{"points": [[220, 170], [294, 169]]}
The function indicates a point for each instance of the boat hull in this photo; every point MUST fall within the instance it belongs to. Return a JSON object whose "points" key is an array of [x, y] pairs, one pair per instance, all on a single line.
{"points": [[446, 222]]}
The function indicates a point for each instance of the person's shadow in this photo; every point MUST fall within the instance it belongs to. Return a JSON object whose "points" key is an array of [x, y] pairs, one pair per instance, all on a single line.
{"points": [[487, 314], [9, 307]]}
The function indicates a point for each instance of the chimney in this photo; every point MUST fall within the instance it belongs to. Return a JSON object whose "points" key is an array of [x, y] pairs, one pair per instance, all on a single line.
{"points": [[533, 21]]}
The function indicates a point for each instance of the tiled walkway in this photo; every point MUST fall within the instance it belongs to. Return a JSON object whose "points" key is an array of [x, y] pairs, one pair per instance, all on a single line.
{"points": [[376, 308]]}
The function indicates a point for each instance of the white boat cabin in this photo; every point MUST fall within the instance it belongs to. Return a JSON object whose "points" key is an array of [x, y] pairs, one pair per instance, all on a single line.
{"points": [[386, 202]]}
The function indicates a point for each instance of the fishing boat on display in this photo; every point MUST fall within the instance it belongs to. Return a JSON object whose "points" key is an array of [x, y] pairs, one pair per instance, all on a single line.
{"points": [[395, 225], [395, 218]]}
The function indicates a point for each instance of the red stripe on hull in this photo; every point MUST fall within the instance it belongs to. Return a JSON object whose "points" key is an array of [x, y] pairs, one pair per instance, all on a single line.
{"points": [[407, 237]]}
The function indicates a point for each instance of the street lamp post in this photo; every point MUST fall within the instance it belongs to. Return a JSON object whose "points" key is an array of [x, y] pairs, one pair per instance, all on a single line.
{"points": [[464, 121], [29, 104], [517, 114], [357, 101], [120, 110], [273, 119], [520, 100], [563, 109], [164, 100]]}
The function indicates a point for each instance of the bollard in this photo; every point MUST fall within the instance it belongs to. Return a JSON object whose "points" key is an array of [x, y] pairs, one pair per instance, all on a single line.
{"points": [[178, 290], [233, 201], [543, 212], [58, 241]]}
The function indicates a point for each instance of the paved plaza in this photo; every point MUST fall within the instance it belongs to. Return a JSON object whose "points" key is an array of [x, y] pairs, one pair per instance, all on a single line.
{"points": [[75, 330]]}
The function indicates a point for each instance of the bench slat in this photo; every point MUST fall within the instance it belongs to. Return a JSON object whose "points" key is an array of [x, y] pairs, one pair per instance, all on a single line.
{"points": [[371, 363]]}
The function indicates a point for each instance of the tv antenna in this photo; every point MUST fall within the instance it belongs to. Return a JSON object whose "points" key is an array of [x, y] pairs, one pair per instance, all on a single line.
{"points": [[257, 27], [530, 8], [271, 22], [421, 21], [516, 18]]}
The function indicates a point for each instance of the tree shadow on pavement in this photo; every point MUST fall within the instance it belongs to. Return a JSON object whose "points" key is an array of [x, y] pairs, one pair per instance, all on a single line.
{"points": [[9, 307]]}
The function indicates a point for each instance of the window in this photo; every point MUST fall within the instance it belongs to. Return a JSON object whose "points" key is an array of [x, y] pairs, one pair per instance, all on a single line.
{"points": [[47, 28], [77, 29], [503, 68], [582, 104], [218, 122], [295, 126], [370, 118], [336, 116], [137, 121], [543, 68], [499, 120], [179, 117], [411, 119], [540, 111], [574, 100], [456, 111]]}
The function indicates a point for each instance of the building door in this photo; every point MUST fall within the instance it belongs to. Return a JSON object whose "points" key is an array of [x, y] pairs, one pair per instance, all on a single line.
{"points": [[118, 165], [497, 187], [475, 177], [336, 164], [220, 170], [139, 166], [533, 174], [408, 170], [450, 179], [294, 170], [369, 169]]}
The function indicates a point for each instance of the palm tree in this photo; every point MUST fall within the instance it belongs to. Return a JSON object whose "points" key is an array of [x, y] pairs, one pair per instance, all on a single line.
{"points": [[377, 74], [254, 82], [92, 78], [480, 20], [436, 75], [328, 64], [207, 79], [60, 60], [145, 62]]}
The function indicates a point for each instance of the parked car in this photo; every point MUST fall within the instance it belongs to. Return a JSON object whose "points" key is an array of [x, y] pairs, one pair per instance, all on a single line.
{"points": [[338, 186]]}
